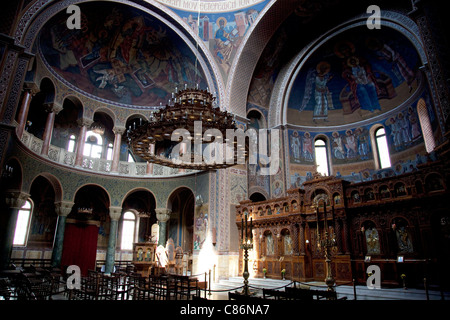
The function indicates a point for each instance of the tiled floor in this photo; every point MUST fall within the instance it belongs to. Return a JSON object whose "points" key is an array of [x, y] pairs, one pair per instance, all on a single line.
{"points": [[219, 291]]}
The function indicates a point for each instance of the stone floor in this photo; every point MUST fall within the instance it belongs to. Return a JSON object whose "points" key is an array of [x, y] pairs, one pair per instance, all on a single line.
{"points": [[219, 291]]}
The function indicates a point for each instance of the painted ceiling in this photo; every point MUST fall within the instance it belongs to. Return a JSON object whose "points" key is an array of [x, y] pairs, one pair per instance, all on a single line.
{"points": [[121, 55]]}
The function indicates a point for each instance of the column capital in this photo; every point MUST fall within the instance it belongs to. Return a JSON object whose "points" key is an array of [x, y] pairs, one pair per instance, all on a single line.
{"points": [[84, 122], [55, 107], [63, 208], [119, 130], [163, 214], [115, 213], [16, 198], [31, 87]]}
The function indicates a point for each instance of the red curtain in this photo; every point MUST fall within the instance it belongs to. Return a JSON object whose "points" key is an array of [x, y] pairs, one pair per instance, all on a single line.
{"points": [[80, 246]]}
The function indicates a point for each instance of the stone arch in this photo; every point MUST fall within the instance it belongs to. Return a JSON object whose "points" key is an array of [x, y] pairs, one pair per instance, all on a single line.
{"points": [[131, 191], [54, 182], [174, 192], [95, 185]]}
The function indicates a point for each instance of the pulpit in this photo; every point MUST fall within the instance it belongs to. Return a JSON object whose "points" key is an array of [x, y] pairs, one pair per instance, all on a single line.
{"points": [[144, 257]]}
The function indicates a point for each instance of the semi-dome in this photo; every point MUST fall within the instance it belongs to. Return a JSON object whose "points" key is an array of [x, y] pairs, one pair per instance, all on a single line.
{"points": [[121, 55]]}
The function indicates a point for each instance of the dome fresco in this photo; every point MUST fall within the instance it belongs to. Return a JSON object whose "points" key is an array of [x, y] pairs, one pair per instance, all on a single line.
{"points": [[121, 55], [355, 76]]}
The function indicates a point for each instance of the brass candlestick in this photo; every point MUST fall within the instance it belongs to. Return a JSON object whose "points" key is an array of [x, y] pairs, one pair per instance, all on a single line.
{"points": [[326, 243], [246, 244]]}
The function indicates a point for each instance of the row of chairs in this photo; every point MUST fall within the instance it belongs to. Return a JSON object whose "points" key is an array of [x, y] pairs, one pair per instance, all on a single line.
{"points": [[99, 286], [132, 286], [166, 287], [31, 283], [293, 293]]}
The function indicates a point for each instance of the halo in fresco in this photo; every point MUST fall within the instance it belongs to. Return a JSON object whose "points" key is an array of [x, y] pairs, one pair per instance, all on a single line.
{"points": [[121, 54], [353, 77]]}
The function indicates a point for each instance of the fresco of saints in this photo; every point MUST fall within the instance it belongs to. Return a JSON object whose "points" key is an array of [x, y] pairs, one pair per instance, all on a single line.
{"points": [[224, 42], [307, 147], [362, 82], [316, 83], [338, 146], [398, 64], [351, 144], [295, 146], [363, 143]]}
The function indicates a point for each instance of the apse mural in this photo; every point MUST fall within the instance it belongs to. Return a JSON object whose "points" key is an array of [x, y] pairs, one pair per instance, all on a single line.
{"points": [[121, 55], [353, 77]]}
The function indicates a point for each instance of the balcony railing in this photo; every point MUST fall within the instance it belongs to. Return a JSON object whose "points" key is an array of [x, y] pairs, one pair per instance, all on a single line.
{"points": [[134, 169]]}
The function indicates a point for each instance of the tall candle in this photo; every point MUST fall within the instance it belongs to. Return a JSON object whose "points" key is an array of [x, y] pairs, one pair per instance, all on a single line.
{"points": [[317, 216], [245, 223], [242, 230], [325, 215], [251, 229]]}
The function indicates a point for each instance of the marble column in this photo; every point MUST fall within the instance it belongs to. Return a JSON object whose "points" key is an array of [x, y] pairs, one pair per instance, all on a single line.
{"points": [[118, 131], [114, 214], [15, 199], [63, 209], [163, 215], [30, 89], [52, 109], [150, 164], [83, 123]]}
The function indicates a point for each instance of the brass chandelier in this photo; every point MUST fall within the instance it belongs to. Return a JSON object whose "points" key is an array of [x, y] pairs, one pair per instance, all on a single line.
{"points": [[192, 115]]}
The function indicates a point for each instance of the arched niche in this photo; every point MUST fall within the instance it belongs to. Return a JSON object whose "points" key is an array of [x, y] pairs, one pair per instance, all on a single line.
{"points": [[188, 225], [142, 203]]}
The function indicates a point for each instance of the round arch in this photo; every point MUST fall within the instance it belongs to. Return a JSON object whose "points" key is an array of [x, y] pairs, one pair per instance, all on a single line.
{"points": [[131, 191], [54, 182], [93, 185], [174, 192]]}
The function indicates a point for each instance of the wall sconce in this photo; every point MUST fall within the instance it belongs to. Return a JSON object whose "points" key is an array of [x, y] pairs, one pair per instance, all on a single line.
{"points": [[307, 244]]}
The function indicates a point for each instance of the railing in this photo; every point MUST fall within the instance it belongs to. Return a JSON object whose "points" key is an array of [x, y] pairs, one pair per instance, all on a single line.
{"points": [[28, 262], [64, 157]]}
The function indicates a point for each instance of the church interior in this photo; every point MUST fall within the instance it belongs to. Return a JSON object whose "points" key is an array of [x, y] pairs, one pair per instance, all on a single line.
{"points": [[344, 168]]}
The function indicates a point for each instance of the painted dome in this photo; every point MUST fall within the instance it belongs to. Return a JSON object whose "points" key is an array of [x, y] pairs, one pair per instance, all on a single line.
{"points": [[121, 55]]}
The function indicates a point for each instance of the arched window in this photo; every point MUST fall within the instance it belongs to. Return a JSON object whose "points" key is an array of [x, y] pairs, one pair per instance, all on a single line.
{"points": [[128, 227], [93, 145], [71, 144], [425, 125], [384, 158], [22, 224], [321, 153]]}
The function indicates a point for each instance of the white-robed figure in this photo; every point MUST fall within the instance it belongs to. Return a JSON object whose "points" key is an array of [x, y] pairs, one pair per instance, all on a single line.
{"points": [[316, 81]]}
